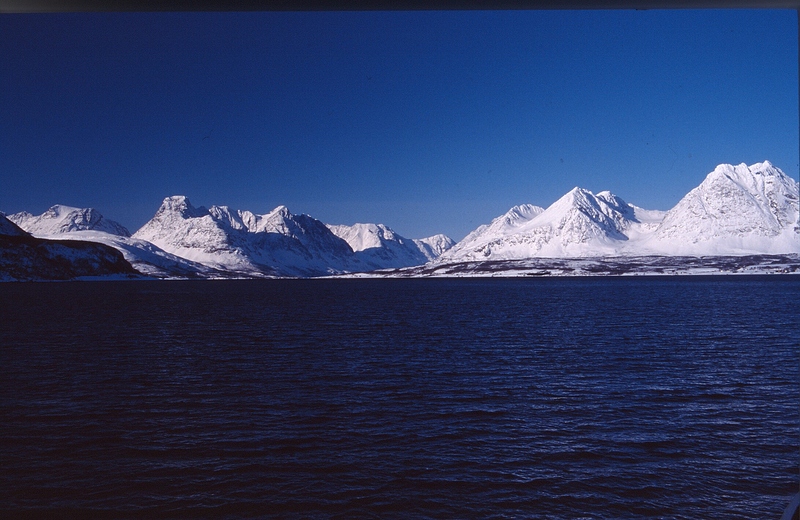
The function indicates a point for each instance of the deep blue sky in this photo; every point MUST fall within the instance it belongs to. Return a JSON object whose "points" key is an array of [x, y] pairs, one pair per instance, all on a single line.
{"points": [[428, 122]]}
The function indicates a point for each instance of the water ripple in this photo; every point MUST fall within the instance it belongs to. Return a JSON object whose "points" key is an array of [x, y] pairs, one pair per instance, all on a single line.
{"points": [[594, 398]]}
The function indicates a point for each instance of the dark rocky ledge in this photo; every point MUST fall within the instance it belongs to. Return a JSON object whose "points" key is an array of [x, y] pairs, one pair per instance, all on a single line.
{"points": [[27, 258]]}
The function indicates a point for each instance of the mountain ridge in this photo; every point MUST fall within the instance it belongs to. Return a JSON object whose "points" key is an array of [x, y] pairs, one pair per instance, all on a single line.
{"points": [[735, 210]]}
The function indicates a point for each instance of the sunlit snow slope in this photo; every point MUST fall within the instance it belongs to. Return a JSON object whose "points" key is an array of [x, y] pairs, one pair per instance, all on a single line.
{"points": [[736, 210]]}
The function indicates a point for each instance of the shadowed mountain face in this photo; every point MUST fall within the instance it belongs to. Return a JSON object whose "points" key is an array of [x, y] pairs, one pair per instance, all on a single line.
{"points": [[27, 258]]}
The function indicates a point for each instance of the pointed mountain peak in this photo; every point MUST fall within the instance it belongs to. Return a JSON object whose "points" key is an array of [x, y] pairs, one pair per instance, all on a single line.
{"points": [[762, 165], [180, 204], [522, 212], [59, 210], [750, 178], [736, 208], [281, 211], [576, 197]]}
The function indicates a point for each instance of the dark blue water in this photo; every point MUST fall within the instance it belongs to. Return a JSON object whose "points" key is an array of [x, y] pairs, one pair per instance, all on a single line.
{"points": [[551, 398]]}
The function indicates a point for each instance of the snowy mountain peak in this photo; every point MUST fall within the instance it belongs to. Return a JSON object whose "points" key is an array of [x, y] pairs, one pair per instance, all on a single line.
{"points": [[434, 246], [279, 220], [522, 212], [61, 219], [605, 209], [180, 204], [578, 224], [277, 243], [736, 209], [378, 246], [750, 177], [365, 236], [282, 211]]}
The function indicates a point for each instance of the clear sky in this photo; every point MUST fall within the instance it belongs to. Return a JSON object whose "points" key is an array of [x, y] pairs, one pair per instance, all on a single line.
{"points": [[428, 122]]}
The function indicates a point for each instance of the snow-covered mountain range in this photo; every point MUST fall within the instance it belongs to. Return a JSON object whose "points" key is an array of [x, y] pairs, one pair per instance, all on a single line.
{"points": [[182, 240], [736, 210], [274, 244]]}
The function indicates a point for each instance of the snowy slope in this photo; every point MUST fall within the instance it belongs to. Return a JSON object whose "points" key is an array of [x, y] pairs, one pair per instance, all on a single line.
{"points": [[65, 219], [24, 257], [86, 224], [503, 226], [379, 247], [433, 247], [275, 244], [735, 210], [576, 225], [145, 257]]}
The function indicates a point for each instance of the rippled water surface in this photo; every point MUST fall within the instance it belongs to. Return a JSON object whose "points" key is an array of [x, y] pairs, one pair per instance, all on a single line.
{"points": [[548, 398]]}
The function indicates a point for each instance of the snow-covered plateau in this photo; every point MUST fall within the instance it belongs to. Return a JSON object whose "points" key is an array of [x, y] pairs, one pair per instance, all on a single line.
{"points": [[740, 219]]}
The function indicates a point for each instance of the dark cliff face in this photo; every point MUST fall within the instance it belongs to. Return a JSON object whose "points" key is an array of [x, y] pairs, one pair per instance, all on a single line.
{"points": [[26, 258]]}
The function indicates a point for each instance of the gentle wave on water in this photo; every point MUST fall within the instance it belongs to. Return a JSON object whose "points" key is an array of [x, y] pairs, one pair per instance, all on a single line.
{"points": [[567, 398]]}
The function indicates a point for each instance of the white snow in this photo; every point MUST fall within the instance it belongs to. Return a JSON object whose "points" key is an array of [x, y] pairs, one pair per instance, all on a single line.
{"points": [[380, 247], [65, 219], [145, 257], [737, 210], [434, 246], [276, 243]]}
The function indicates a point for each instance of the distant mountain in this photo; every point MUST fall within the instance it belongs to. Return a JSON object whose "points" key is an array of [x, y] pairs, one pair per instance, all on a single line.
{"points": [[379, 247], [274, 244], [87, 224], [27, 258], [476, 242], [182, 240], [64, 219], [578, 224], [434, 246], [737, 210]]}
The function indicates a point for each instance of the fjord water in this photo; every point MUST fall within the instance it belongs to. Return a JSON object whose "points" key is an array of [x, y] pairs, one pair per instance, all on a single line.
{"points": [[463, 398]]}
